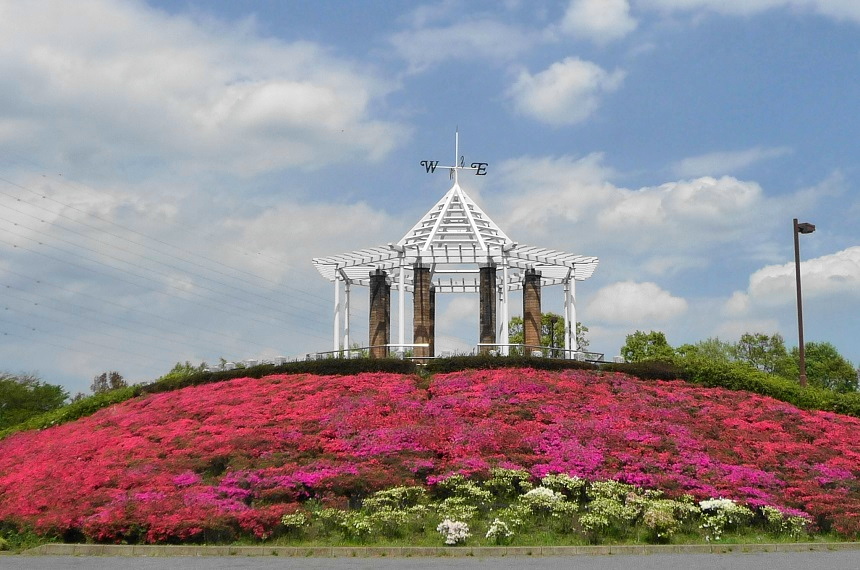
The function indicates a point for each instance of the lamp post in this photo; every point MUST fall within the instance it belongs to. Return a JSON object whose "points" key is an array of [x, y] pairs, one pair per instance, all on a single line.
{"points": [[800, 228]]}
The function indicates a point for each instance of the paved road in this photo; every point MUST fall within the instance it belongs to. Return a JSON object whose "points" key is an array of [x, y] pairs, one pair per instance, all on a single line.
{"points": [[840, 560]]}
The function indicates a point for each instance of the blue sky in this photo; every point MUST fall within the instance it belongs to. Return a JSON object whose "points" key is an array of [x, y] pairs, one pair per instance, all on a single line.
{"points": [[169, 168]]}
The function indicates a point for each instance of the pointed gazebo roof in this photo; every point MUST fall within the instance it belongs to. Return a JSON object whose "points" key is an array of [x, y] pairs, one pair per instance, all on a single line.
{"points": [[455, 232], [455, 221]]}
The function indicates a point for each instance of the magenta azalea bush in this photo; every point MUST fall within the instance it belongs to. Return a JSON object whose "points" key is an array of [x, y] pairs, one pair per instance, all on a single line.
{"points": [[234, 458]]}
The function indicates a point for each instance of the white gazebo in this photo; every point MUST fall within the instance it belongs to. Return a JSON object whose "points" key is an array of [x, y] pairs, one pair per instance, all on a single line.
{"points": [[454, 248]]}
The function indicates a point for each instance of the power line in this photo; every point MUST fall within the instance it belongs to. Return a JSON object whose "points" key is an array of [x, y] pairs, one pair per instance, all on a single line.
{"points": [[43, 196], [125, 308], [145, 357], [239, 313], [129, 263], [64, 307]]}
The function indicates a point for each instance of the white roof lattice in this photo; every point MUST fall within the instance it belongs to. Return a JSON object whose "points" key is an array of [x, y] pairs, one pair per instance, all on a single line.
{"points": [[455, 232], [455, 221]]}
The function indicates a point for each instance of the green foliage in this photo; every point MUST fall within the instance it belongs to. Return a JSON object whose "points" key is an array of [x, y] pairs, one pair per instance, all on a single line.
{"points": [[107, 381], [323, 367], [825, 367], [551, 331], [761, 351], [24, 396], [182, 370], [720, 515], [395, 498], [508, 484], [458, 487], [792, 526], [488, 362], [499, 532], [712, 349], [571, 488], [648, 370], [640, 346], [78, 409], [739, 376]]}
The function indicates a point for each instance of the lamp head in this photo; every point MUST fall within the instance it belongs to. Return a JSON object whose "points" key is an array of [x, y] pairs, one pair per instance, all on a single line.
{"points": [[805, 228]]}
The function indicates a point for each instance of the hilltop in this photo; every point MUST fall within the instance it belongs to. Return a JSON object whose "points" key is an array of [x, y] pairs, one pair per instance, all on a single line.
{"points": [[234, 457]]}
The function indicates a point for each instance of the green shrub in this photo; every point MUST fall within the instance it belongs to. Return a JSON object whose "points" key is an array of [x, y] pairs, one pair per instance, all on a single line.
{"points": [[508, 484], [79, 409], [323, 367], [488, 362]]}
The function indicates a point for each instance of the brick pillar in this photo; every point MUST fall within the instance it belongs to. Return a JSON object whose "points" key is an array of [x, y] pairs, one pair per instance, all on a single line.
{"points": [[380, 314], [432, 321], [531, 309], [422, 319], [487, 293]]}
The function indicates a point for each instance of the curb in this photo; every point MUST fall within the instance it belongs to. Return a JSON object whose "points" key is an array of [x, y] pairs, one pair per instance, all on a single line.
{"points": [[55, 549]]}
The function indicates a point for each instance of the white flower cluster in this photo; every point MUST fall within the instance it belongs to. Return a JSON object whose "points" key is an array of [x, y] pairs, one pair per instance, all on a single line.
{"points": [[543, 495], [499, 531], [717, 504], [453, 532]]}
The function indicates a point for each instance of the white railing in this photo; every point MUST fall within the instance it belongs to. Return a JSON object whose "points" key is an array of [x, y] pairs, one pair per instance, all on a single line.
{"points": [[539, 351]]}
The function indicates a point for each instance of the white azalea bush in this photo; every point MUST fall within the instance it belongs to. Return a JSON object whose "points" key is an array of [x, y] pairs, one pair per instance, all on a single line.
{"points": [[506, 507], [454, 532], [721, 514], [506, 485], [499, 532], [792, 524]]}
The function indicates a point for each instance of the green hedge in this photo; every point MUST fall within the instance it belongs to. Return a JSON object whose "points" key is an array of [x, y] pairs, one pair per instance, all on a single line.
{"points": [[739, 376], [732, 376], [488, 362], [324, 367], [81, 408]]}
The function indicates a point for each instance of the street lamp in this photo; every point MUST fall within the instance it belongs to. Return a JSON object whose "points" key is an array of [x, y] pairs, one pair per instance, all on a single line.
{"points": [[802, 228]]}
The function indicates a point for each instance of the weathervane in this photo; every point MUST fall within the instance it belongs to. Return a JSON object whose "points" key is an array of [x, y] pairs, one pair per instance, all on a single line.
{"points": [[480, 168]]}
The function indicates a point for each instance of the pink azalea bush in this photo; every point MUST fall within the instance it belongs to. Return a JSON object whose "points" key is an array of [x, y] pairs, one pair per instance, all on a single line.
{"points": [[213, 461]]}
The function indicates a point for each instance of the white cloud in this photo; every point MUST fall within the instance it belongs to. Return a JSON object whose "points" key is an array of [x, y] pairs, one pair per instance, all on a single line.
{"points": [[738, 304], [598, 20], [566, 93], [570, 199], [314, 230], [839, 9], [473, 40], [734, 329], [635, 303], [461, 310], [99, 80], [728, 162], [833, 274]]}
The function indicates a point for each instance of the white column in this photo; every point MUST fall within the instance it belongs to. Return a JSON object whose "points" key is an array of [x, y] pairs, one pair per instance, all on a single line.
{"points": [[571, 316], [336, 313], [567, 325], [346, 317], [504, 338], [401, 305]]}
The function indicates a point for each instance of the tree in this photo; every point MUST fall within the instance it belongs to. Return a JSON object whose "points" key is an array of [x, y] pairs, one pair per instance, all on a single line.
{"points": [[181, 370], [550, 335], [825, 367], [107, 381], [712, 349], [25, 395], [640, 346], [763, 352]]}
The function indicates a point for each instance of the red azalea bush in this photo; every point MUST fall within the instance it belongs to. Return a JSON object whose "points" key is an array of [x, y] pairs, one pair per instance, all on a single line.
{"points": [[209, 462]]}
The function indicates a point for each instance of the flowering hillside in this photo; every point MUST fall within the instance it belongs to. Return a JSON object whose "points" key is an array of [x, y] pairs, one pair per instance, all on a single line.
{"points": [[239, 455]]}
